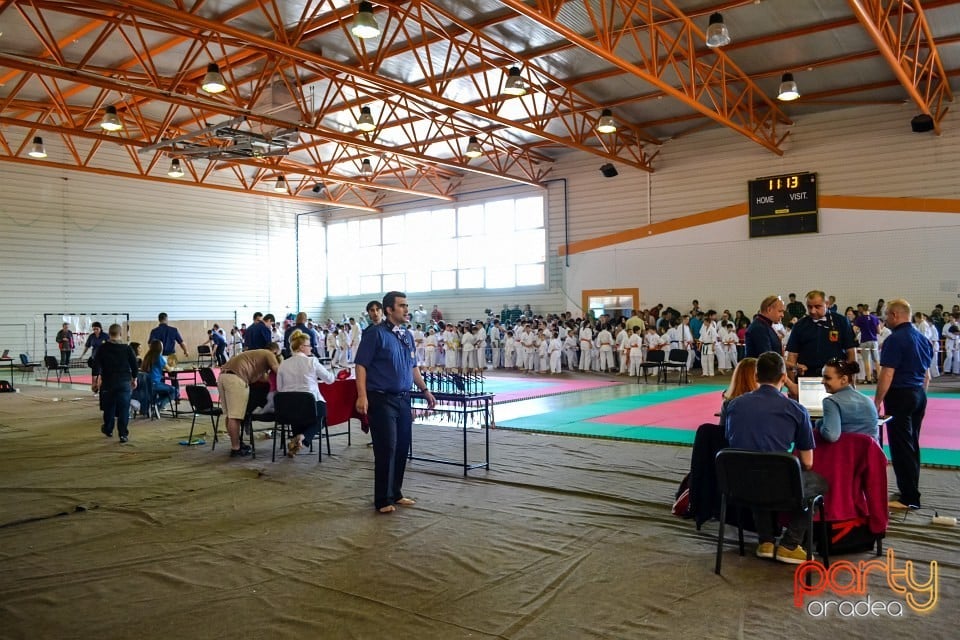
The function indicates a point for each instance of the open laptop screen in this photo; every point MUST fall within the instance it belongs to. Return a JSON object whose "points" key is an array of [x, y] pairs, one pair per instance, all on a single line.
{"points": [[812, 394]]}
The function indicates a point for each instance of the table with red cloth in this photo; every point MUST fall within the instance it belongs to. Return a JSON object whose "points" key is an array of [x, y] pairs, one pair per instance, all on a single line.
{"points": [[341, 399]]}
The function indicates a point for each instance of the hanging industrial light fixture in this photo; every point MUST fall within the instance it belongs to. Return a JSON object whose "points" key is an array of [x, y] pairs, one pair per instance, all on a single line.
{"points": [[175, 170], [474, 150], [717, 34], [364, 22], [366, 168], [213, 81], [365, 122], [606, 123], [514, 85], [788, 88], [110, 121], [281, 185], [37, 150]]}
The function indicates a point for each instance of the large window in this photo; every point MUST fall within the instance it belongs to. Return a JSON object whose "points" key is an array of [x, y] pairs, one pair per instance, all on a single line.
{"points": [[494, 245]]}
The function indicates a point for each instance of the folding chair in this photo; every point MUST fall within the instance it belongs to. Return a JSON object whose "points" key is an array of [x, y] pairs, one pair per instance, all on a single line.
{"points": [[204, 355], [770, 481], [202, 405], [26, 366], [297, 408], [52, 364], [676, 359], [208, 377], [654, 360]]}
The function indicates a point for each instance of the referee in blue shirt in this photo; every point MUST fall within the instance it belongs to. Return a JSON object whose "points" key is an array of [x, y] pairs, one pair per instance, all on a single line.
{"points": [[386, 364], [902, 391]]}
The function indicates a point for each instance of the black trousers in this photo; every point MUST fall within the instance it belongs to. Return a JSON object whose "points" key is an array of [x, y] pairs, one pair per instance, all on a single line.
{"points": [[65, 358], [311, 431], [813, 484], [391, 424], [906, 406]]}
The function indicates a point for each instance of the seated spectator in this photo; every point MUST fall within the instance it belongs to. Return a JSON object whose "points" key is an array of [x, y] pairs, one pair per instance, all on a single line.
{"points": [[743, 380], [845, 410], [154, 364], [301, 372], [766, 420]]}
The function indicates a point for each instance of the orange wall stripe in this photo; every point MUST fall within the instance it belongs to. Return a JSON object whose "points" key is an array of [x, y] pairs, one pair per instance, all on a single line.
{"points": [[924, 205]]}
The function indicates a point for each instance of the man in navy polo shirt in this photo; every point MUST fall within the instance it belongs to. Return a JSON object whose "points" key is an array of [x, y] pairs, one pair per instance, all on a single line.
{"points": [[259, 335], [386, 369], [818, 337], [170, 338], [902, 391], [766, 420], [760, 336]]}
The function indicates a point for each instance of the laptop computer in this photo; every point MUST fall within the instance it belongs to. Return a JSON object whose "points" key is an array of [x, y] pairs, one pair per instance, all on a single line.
{"points": [[6, 354], [812, 394]]}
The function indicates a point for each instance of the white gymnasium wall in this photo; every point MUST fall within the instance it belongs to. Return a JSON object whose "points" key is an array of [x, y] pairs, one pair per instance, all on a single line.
{"points": [[857, 256], [80, 243]]}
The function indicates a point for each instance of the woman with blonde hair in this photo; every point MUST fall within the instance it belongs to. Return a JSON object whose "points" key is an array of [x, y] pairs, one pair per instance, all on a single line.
{"points": [[302, 372]]}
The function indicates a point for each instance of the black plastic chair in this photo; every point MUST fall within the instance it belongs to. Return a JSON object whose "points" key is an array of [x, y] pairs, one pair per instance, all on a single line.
{"points": [[676, 359], [654, 360], [204, 355], [52, 364], [297, 408], [256, 400], [208, 377], [761, 480], [202, 405]]}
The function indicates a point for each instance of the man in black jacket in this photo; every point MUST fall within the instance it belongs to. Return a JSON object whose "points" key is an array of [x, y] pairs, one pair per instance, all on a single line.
{"points": [[116, 378]]}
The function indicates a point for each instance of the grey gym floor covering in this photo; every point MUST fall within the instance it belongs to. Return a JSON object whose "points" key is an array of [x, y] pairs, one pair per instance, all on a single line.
{"points": [[563, 538]]}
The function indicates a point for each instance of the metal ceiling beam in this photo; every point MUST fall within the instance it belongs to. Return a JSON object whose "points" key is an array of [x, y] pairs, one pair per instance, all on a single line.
{"points": [[373, 80], [709, 80], [903, 36]]}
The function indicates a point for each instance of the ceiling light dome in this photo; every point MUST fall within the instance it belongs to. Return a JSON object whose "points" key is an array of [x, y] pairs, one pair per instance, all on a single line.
{"points": [[213, 81], [473, 148], [788, 88], [717, 34], [514, 85], [606, 123], [37, 150], [110, 121], [175, 170], [281, 185], [365, 121], [365, 23], [366, 168]]}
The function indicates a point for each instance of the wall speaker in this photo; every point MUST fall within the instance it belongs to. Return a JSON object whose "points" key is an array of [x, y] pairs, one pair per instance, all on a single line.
{"points": [[609, 171], [921, 123]]}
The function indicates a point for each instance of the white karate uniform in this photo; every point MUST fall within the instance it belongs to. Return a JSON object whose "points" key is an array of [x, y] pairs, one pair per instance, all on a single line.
{"points": [[708, 343], [951, 362], [930, 332], [586, 344], [605, 340], [553, 350], [495, 336], [342, 347], [510, 353], [570, 351], [623, 350], [635, 344], [430, 351], [529, 342], [469, 351], [543, 346], [419, 341]]}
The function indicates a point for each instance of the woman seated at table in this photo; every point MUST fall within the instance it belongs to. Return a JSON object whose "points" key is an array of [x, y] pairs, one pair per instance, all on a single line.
{"points": [[845, 410], [743, 380], [154, 364], [302, 372]]}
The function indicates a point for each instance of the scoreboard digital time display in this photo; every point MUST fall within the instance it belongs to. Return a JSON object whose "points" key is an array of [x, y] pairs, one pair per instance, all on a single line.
{"points": [[782, 205]]}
